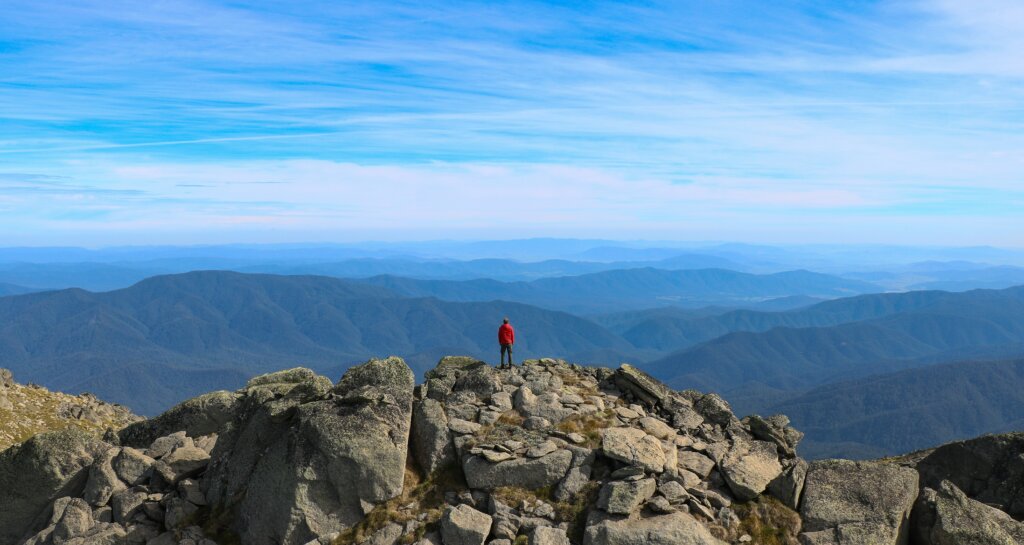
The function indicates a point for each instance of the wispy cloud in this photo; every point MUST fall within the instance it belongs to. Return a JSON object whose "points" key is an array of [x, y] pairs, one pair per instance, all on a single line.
{"points": [[395, 115]]}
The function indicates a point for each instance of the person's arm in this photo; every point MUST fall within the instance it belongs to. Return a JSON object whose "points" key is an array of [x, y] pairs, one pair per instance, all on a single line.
{"points": [[512, 336]]}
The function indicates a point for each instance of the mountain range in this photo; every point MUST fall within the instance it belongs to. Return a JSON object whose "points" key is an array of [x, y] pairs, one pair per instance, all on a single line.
{"points": [[170, 337], [909, 410], [634, 288], [785, 359]]}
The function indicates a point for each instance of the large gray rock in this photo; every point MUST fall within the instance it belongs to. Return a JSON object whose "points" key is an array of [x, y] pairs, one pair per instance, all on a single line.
{"points": [[578, 476], [775, 429], [716, 410], [463, 525], [624, 497], [297, 375], [948, 517], [989, 469], [633, 447], [544, 535], [547, 405], [749, 466], [181, 463], [530, 473], [103, 481], [300, 467], [6, 378], [644, 387], [789, 485], [441, 379], [198, 416], [695, 462], [431, 439], [35, 473], [846, 503], [677, 528], [127, 503], [653, 393], [132, 466], [76, 521]]}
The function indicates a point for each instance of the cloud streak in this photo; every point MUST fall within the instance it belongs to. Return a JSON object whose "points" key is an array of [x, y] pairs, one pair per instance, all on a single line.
{"points": [[740, 107]]}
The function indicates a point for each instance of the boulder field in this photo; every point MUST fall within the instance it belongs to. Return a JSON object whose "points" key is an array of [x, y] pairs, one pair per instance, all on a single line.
{"points": [[548, 453]]}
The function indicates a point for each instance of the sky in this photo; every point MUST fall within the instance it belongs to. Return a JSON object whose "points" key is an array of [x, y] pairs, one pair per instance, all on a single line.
{"points": [[194, 122]]}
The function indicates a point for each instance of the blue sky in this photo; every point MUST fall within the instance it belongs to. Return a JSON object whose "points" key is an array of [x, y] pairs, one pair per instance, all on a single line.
{"points": [[202, 122]]}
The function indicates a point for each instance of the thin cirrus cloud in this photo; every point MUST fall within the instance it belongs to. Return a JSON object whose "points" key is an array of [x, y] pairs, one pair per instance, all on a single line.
{"points": [[746, 119]]}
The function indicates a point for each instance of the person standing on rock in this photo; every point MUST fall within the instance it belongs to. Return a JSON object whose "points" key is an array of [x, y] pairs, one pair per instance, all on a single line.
{"points": [[506, 338]]}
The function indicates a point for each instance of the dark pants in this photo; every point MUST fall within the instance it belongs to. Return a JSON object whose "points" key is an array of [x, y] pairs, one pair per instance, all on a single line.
{"points": [[506, 348]]}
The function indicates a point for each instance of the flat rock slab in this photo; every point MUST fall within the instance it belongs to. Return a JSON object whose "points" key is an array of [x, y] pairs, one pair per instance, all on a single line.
{"points": [[673, 529], [749, 466], [529, 473], [463, 525], [848, 502], [634, 447], [624, 497]]}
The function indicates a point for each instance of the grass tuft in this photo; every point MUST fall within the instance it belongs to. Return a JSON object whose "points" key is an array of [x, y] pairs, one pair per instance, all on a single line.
{"points": [[423, 495], [765, 519], [589, 426]]}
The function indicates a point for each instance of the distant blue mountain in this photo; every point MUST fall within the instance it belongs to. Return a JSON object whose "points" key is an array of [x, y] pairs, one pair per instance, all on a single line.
{"points": [[908, 410], [913, 330], [11, 289], [170, 337], [634, 289]]}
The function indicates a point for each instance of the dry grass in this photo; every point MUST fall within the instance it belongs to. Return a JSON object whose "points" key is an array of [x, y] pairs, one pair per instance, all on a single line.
{"points": [[35, 410], [424, 496], [515, 496], [511, 418], [573, 511], [571, 380], [766, 520], [589, 426]]}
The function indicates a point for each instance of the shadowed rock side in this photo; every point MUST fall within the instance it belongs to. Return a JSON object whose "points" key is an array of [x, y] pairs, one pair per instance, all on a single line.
{"points": [[547, 454]]}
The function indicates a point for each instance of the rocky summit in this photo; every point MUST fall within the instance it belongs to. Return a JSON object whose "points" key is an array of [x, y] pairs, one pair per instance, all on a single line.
{"points": [[28, 409], [548, 453]]}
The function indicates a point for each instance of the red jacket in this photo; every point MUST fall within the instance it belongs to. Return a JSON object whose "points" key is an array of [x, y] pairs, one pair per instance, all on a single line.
{"points": [[506, 335]]}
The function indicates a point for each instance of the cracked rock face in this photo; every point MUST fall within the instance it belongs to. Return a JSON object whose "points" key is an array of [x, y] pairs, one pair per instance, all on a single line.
{"points": [[634, 447], [313, 462], [848, 502], [547, 452], [948, 517]]}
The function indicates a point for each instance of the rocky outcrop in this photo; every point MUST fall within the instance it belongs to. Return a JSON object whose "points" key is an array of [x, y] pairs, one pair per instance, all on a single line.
{"points": [[463, 525], [989, 469], [35, 473], [846, 503], [300, 461], [749, 466], [27, 410], [948, 517], [292, 457], [196, 417], [547, 453]]}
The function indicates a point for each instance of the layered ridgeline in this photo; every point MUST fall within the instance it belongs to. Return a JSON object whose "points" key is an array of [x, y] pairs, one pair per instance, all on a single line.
{"points": [[548, 453], [169, 338]]}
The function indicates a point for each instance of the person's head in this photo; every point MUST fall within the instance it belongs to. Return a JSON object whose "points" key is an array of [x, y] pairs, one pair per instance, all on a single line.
{"points": [[505, 321]]}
